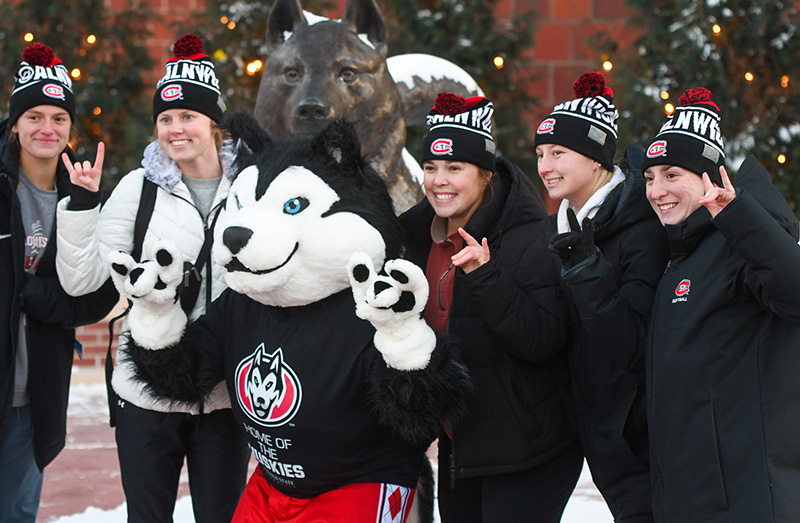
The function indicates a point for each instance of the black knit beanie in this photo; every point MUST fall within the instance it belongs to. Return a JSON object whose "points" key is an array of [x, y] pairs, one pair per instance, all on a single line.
{"points": [[587, 124], [460, 130], [189, 81], [40, 80], [690, 138]]}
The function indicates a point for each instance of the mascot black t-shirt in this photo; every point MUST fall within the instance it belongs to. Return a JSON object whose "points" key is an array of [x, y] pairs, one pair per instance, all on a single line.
{"points": [[298, 384]]}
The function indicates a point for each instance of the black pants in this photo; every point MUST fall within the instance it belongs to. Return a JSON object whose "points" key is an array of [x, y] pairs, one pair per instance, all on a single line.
{"points": [[537, 495], [151, 447]]}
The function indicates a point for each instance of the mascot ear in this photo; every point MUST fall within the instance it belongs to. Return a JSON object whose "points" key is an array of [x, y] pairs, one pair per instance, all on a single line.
{"points": [[251, 139], [339, 142]]}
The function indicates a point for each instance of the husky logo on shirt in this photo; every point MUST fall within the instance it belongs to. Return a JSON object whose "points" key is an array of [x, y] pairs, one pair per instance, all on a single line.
{"points": [[267, 389]]}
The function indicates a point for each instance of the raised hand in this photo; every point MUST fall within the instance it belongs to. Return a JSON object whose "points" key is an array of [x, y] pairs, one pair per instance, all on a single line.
{"points": [[717, 198], [576, 245], [473, 255], [393, 302], [84, 174]]}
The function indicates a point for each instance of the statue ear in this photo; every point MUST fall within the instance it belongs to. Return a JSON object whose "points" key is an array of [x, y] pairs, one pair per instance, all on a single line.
{"points": [[364, 17], [284, 17]]}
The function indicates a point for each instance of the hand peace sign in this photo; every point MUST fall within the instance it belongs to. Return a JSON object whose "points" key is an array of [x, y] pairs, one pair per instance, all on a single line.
{"points": [[85, 174]]}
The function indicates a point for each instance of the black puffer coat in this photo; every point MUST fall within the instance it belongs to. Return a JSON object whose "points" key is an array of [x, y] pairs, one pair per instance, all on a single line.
{"points": [[511, 322], [611, 295], [51, 318], [722, 361]]}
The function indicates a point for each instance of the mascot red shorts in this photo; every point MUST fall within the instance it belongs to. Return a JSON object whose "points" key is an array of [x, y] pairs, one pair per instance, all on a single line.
{"points": [[357, 503]]}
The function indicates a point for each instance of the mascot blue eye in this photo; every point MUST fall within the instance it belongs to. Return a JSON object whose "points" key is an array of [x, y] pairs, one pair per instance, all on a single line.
{"points": [[238, 203], [295, 205]]}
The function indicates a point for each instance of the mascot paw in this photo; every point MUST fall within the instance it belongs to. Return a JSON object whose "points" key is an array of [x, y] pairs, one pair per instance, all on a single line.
{"points": [[393, 301], [156, 319]]}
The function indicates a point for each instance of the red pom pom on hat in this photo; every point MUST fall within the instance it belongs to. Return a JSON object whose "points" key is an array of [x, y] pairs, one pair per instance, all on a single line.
{"points": [[188, 46], [450, 104], [39, 54], [591, 84], [697, 95]]}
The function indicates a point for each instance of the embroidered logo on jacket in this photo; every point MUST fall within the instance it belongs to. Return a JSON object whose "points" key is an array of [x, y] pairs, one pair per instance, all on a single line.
{"points": [[682, 290], [267, 389]]}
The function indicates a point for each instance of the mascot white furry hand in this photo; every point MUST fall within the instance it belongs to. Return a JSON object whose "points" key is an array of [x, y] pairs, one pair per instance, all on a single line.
{"points": [[156, 319], [393, 304]]}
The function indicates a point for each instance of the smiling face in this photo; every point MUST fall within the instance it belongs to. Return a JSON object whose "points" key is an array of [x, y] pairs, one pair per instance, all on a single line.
{"points": [[43, 133], [290, 247], [567, 174], [674, 192], [186, 136], [455, 190]]}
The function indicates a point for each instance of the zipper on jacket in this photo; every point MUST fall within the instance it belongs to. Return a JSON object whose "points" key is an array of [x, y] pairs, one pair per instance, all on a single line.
{"points": [[666, 269]]}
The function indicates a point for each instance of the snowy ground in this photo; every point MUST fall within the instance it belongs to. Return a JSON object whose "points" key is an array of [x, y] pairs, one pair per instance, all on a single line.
{"points": [[88, 401]]}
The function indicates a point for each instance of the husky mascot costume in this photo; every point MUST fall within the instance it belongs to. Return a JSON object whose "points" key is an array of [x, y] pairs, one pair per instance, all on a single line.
{"points": [[338, 411]]}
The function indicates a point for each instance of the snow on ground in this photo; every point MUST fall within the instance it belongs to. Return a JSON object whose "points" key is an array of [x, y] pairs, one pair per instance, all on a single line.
{"points": [[585, 506]]}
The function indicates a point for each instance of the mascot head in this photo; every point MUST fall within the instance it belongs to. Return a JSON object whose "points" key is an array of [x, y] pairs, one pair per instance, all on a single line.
{"points": [[298, 210]]}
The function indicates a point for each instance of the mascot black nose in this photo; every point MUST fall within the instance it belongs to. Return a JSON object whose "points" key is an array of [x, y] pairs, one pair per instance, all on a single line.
{"points": [[235, 238]]}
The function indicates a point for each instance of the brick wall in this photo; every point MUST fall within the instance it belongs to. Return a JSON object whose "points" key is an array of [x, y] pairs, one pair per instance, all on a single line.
{"points": [[560, 54]]}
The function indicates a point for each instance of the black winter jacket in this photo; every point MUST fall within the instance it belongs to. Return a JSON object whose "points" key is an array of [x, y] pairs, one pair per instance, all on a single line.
{"points": [[722, 360], [511, 322], [611, 295], [52, 316]]}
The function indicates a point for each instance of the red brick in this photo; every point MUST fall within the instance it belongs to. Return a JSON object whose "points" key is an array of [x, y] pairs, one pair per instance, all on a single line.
{"points": [[572, 9], [552, 42], [610, 9]]}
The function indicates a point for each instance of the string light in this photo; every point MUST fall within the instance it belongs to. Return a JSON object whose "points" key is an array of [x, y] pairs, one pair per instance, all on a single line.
{"points": [[607, 65], [669, 109], [784, 81], [220, 56], [91, 39], [499, 62], [717, 29], [75, 73], [28, 37], [224, 20], [96, 111], [231, 25], [781, 158], [748, 76], [664, 95], [254, 67]]}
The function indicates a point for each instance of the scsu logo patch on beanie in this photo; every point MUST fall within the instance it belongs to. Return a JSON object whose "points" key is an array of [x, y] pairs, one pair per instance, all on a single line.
{"points": [[42, 79], [460, 130], [189, 81], [690, 137], [587, 124]]}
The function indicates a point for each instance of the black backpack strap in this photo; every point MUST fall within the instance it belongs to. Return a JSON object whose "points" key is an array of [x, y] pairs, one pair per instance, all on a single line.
{"points": [[147, 203], [192, 273]]}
